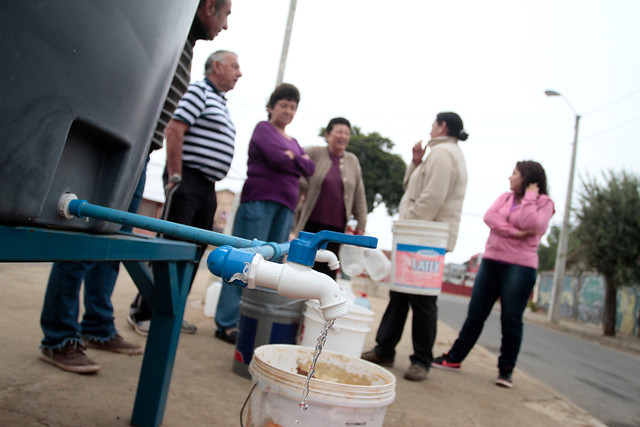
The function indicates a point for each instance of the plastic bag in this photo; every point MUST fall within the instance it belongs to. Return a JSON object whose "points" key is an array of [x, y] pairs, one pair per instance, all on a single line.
{"points": [[351, 260], [376, 264]]}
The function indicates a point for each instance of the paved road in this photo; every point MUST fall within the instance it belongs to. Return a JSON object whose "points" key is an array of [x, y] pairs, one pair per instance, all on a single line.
{"points": [[603, 381]]}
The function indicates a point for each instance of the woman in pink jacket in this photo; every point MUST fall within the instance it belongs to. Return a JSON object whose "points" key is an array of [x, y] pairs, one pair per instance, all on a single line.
{"points": [[518, 219]]}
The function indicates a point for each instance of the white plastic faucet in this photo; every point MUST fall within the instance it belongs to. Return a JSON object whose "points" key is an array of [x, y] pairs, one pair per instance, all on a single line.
{"points": [[298, 281], [295, 279], [324, 255]]}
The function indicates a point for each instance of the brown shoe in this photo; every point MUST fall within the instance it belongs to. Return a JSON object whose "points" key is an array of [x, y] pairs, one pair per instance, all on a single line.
{"points": [[416, 373], [372, 356], [70, 358], [117, 344]]}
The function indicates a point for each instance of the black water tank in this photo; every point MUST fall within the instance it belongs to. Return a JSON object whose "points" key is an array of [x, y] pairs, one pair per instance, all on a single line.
{"points": [[82, 84]]}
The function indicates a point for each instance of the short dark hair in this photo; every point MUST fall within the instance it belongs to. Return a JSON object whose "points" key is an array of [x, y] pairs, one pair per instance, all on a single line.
{"points": [[218, 4], [455, 127], [283, 91], [337, 121], [532, 172]]}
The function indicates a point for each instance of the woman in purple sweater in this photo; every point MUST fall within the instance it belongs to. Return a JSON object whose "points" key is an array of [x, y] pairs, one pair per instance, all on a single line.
{"points": [[518, 219], [270, 193]]}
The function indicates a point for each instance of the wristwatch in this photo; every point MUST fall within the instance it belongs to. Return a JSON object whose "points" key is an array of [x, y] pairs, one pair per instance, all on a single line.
{"points": [[175, 178]]}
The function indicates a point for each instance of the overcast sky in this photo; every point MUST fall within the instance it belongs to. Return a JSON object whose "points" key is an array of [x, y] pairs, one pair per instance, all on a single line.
{"points": [[390, 67]]}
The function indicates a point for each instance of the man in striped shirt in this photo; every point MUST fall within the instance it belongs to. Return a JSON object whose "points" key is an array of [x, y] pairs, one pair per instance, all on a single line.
{"points": [[200, 145], [200, 137]]}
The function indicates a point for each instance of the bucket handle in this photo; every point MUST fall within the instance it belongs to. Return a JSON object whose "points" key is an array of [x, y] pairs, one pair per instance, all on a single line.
{"points": [[246, 401]]}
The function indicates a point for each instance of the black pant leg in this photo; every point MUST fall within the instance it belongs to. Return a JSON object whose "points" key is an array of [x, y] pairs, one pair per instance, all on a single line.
{"points": [[392, 324], [424, 328]]}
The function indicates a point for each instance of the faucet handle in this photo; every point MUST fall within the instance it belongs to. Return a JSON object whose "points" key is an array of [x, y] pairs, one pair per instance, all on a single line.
{"points": [[303, 249]]}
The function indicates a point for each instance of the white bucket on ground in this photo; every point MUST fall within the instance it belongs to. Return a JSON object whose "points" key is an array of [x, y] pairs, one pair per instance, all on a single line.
{"points": [[345, 391], [346, 336], [211, 298], [417, 262]]}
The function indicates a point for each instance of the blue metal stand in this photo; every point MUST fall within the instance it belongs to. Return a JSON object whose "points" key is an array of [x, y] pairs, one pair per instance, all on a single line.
{"points": [[165, 287]]}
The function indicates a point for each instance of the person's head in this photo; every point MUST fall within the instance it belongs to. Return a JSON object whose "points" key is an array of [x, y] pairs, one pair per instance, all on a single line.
{"points": [[213, 15], [337, 135], [283, 104], [448, 124], [222, 68], [527, 172]]}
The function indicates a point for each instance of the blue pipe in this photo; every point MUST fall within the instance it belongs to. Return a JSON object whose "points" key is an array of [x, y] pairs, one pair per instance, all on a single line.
{"points": [[269, 250]]}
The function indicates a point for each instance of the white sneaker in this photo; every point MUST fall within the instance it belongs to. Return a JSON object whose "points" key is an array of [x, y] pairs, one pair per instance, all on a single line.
{"points": [[188, 327], [140, 328]]}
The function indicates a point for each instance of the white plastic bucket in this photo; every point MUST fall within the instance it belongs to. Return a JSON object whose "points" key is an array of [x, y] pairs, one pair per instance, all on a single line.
{"points": [[346, 336], [211, 298], [346, 391], [417, 261]]}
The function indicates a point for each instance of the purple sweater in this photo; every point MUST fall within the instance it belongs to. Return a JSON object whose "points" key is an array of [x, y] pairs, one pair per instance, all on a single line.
{"points": [[271, 174], [532, 213]]}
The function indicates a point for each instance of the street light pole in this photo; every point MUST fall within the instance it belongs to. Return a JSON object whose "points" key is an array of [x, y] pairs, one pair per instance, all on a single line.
{"points": [[285, 42], [563, 241]]}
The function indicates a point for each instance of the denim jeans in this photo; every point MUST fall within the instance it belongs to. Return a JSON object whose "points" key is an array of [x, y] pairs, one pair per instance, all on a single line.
{"points": [[423, 328], [513, 285], [262, 220], [61, 308]]}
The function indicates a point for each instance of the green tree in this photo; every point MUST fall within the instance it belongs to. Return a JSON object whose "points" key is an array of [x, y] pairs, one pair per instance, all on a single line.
{"points": [[609, 235], [382, 171], [547, 252]]}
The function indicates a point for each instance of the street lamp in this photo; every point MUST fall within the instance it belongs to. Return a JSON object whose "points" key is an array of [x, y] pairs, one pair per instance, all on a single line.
{"points": [[563, 241]]}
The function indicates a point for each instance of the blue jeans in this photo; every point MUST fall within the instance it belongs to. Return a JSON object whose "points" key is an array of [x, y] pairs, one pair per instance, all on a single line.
{"points": [[262, 220], [61, 308], [513, 285]]}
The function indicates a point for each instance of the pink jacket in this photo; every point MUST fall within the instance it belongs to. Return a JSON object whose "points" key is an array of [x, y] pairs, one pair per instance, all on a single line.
{"points": [[532, 213]]}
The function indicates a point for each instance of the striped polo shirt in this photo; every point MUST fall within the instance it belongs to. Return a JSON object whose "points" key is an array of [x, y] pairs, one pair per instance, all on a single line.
{"points": [[180, 82], [178, 87], [209, 142]]}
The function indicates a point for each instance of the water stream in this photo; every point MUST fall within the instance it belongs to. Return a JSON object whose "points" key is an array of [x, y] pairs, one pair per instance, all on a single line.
{"points": [[312, 369]]}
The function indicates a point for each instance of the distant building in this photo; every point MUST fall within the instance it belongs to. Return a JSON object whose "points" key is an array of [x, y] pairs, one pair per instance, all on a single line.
{"points": [[458, 278], [223, 211], [454, 273], [473, 265]]}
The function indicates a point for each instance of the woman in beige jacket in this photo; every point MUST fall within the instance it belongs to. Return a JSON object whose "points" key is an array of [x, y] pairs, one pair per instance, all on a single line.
{"points": [[334, 192], [434, 191]]}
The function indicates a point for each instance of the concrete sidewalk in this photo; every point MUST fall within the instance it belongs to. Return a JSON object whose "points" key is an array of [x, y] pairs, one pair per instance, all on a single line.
{"points": [[205, 392], [627, 343]]}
